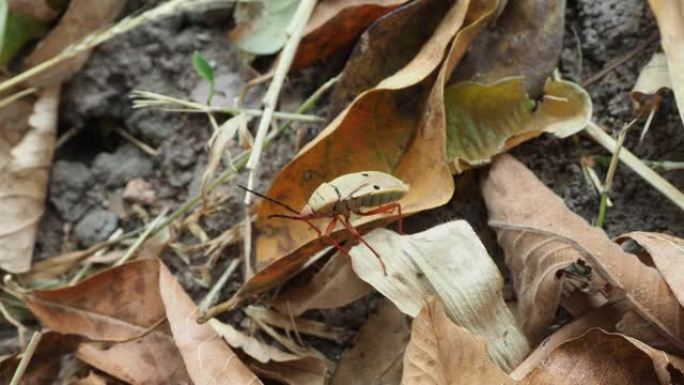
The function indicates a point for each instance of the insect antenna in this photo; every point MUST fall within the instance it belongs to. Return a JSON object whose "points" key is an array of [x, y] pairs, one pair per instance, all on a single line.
{"points": [[272, 200]]}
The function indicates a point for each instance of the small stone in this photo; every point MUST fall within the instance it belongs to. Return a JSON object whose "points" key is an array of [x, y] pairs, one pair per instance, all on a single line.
{"points": [[139, 191], [96, 226]]}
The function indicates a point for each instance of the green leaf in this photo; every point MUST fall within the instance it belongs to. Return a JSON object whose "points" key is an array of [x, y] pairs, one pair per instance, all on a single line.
{"points": [[4, 11], [261, 26], [486, 119], [18, 30], [204, 70]]}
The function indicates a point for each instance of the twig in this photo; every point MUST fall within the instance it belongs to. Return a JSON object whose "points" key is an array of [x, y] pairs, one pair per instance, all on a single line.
{"points": [[665, 165], [209, 299], [610, 175], [26, 358], [21, 329], [151, 228], [617, 62], [650, 176], [16, 96], [167, 8], [147, 99], [295, 31], [137, 142]]}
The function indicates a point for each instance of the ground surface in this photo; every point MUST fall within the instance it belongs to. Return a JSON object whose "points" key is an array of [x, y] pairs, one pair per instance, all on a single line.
{"points": [[90, 169]]}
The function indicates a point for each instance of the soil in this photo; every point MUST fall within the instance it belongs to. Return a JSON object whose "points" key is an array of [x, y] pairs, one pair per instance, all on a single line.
{"points": [[91, 169]]}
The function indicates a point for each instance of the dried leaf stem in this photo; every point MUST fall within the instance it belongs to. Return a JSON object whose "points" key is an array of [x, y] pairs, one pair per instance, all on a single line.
{"points": [[26, 358], [634, 163]]}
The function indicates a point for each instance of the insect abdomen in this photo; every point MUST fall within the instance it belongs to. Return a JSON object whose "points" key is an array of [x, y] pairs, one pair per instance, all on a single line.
{"points": [[381, 198]]}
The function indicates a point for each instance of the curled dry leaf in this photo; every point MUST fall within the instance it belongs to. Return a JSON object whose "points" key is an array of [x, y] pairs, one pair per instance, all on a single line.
{"points": [[602, 358], [443, 353], [396, 127], [378, 56], [114, 305], [670, 17], [449, 262], [26, 148], [152, 359], [667, 253], [525, 41], [272, 362], [377, 353], [485, 120], [207, 358], [547, 249], [335, 285], [335, 24]]}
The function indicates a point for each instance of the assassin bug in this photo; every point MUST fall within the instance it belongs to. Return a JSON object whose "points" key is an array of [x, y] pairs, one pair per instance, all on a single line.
{"points": [[346, 195]]}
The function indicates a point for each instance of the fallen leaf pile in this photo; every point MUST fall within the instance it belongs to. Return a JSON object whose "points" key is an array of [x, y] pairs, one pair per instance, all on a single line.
{"points": [[430, 90]]}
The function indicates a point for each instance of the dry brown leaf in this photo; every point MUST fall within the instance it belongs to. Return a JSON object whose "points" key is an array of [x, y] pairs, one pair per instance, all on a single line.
{"points": [[667, 253], [464, 277], [526, 40], [114, 305], [207, 357], [670, 17], [602, 358], [39, 10], [153, 359], [26, 148], [542, 245], [397, 127], [91, 379], [81, 18], [443, 353], [377, 353], [335, 24], [272, 362], [335, 285]]}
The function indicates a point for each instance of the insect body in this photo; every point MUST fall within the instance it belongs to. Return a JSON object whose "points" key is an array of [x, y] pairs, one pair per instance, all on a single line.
{"points": [[349, 194]]}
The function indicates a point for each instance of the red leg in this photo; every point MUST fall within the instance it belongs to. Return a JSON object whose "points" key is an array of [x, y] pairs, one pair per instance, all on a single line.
{"points": [[328, 233], [388, 208], [358, 236]]}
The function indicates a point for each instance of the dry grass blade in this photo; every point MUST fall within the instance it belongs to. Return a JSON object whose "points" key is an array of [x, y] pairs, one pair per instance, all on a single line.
{"points": [[443, 353]]}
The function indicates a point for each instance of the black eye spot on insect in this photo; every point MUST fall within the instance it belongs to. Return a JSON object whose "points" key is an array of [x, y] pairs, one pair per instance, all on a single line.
{"points": [[365, 174], [375, 186]]}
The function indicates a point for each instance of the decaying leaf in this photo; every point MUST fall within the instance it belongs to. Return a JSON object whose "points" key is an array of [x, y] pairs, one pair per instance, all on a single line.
{"points": [[272, 362], [26, 148], [335, 24], [153, 359], [261, 26], [653, 77], [377, 353], [447, 261], [526, 40], [378, 56], [667, 253], [117, 304], [335, 285], [670, 17], [443, 353], [603, 358], [549, 248], [484, 120], [396, 127], [207, 358]]}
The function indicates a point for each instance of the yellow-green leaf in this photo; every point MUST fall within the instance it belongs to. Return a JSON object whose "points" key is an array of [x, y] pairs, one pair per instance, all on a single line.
{"points": [[486, 119]]}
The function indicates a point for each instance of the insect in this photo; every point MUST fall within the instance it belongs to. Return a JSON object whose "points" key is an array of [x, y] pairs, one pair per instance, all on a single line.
{"points": [[345, 195]]}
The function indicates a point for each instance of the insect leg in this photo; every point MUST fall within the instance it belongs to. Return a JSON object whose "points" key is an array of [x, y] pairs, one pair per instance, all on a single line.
{"points": [[355, 233], [388, 208]]}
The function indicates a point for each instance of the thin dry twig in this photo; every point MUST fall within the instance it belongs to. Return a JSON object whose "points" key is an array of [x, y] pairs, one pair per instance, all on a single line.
{"points": [[619, 61], [629, 159], [26, 358], [295, 31], [211, 296]]}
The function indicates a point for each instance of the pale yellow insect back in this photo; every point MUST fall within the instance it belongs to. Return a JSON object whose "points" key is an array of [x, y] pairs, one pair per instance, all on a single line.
{"points": [[351, 192]]}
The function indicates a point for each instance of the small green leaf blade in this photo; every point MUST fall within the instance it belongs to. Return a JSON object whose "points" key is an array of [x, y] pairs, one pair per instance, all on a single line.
{"points": [[204, 70]]}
